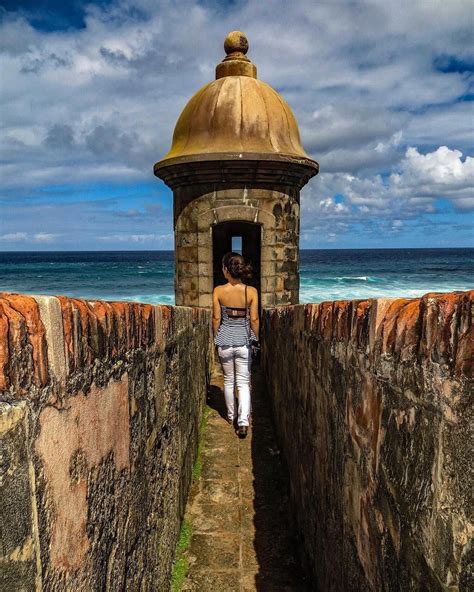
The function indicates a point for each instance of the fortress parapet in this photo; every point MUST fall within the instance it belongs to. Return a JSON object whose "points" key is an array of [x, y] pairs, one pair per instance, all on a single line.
{"points": [[100, 404]]}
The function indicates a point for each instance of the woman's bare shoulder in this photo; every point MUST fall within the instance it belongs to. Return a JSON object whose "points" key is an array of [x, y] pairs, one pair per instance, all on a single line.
{"points": [[252, 290]]}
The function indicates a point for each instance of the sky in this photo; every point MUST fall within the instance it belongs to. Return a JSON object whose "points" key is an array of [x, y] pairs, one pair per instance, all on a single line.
{"points": [[90, 93]]}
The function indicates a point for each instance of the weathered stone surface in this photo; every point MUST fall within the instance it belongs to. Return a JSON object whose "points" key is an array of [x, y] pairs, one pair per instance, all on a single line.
{"points": [[18, 534], [373, 403], [275, 208], [111, 398], [23, 353], [51, 317]]}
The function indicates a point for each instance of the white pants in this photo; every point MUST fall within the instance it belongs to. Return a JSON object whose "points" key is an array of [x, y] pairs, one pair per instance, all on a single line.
{"points": [[236, 362]]}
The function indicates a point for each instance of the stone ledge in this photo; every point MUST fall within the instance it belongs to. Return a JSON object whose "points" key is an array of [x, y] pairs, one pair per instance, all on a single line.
{"points": [[48, 338], [437, 325]]}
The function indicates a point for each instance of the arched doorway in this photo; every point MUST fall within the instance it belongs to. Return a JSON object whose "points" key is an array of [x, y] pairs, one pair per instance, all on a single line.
{"points": [[229, 236]]}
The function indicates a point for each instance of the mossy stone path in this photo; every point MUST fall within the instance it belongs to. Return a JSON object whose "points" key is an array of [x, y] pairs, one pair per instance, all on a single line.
{"points": [[238, 509]]}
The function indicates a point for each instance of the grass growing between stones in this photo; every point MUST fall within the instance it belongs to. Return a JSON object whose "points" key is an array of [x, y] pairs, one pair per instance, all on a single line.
{"points": [[180, 565], [202, 428]]}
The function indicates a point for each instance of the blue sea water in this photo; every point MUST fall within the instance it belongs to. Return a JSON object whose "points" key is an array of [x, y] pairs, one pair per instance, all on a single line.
{"points": [[148, 276]]}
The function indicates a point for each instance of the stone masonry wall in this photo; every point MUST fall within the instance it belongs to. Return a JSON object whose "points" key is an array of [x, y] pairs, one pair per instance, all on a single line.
{"points": [[373, 403], [277, 212], [100, 405]]}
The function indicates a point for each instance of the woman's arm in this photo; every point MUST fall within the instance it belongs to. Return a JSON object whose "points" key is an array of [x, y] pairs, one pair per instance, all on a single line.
{"points": [[254, 320], [216, 312]]}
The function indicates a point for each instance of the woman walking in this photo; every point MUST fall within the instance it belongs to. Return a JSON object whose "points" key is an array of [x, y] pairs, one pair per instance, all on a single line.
{"points": [[233, 333]]}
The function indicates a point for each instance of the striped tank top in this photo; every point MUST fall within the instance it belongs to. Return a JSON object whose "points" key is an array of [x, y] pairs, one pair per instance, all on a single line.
{"points": [[233, 331]]}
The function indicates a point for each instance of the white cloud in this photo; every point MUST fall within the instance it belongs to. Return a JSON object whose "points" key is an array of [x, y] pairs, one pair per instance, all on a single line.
{"points": [[394, 141], [404, 195], [438, 174], [443, 167], [99, 104], [40, 237], [329, 205], [420, 178], [44, 237], [137, 238], [14, 237]]}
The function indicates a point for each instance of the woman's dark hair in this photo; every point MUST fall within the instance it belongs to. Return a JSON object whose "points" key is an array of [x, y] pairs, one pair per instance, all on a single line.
{"points": [[236, 266]]}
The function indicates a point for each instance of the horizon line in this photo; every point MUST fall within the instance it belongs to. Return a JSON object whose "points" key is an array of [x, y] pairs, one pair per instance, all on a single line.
{"points": [[173, 250]]}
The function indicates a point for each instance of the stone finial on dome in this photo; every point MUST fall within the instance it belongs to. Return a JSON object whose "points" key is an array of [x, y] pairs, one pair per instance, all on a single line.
{"points": [[236, 43], [236, 63]]}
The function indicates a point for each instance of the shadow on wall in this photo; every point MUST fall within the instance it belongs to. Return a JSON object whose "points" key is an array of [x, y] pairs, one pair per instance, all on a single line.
{"points": [[372, 407], [275, 539]]}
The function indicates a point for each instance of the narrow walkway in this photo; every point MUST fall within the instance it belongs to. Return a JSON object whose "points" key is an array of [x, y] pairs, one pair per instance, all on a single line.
{"points": [[241, 538]]}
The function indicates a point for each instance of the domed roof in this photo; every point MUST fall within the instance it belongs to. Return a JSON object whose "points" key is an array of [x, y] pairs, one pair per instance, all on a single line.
{"points": [[236, 116]]}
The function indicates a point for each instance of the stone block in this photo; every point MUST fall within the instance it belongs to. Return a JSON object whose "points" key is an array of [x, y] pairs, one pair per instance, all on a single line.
{"points": [[160, 336], [187, 297], [205, 300], [205, 221], [205, 253], [186, 254], [272, 283], [268, 236], [187, 270], [291, 253], [51, 317], [283, 297], [288, 268], [206, 285], [204, 239], [291, 223], [232, 193], [237, 212], [205, 269], [187, 284], [273, 253], [186, 223], [280, 284], [286, 237], [186, 239], [267, 298], [291, 282], [19, 545], [23, 350], [267, 268]]}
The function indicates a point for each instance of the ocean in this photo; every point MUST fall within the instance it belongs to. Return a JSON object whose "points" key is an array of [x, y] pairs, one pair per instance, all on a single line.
{"points": [[147, 276]]}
